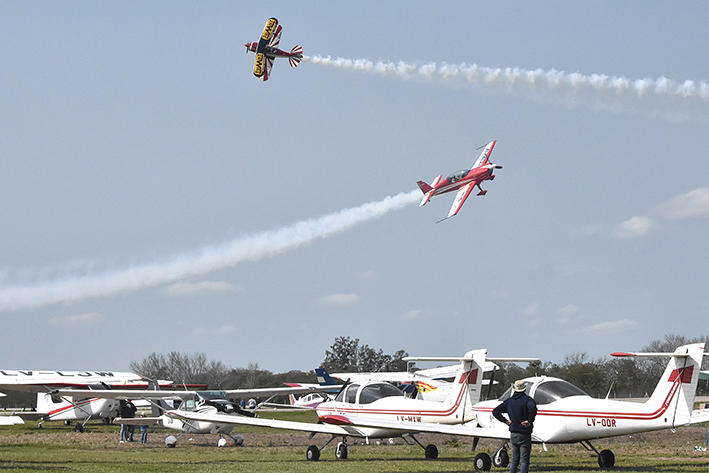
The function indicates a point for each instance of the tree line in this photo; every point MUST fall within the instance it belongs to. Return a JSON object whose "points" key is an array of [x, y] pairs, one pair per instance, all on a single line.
{"points": [[615, 377]]}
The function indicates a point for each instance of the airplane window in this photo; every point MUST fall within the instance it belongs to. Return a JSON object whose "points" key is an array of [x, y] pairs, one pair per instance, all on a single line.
{"points": [[349, 394], [373, 392], [508, 393], [458, 175], [551, 391], [188, 405]]}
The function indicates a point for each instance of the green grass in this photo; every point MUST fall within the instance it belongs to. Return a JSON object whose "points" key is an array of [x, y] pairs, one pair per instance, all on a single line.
{"points": [[56, 447]]}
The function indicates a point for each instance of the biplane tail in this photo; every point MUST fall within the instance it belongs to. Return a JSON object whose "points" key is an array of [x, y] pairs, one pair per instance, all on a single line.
{"points": [[296, 56]]}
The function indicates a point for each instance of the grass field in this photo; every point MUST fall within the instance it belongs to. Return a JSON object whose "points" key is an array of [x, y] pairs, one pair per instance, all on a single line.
{"points": [[56, 447]]}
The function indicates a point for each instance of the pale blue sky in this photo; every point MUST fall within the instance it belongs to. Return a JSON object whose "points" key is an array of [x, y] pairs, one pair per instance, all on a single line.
{"points": [[134, 134]]}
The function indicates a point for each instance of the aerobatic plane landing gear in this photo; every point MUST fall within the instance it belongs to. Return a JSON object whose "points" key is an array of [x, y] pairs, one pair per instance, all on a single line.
{"points": [[606, 458]]}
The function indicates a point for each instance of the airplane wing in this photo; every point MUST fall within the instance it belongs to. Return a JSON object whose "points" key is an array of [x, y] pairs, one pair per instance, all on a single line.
{"points": [[484, 157], [699, 416], [137, 420], [353, 429], [168, 395], [11, 420], [267, 71], [262, 65], [276, 38], [460, 197], [273, 423]]}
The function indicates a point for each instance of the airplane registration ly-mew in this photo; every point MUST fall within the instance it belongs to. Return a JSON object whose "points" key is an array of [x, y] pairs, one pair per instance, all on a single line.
{"points": [[266, 50], [463, 181]]}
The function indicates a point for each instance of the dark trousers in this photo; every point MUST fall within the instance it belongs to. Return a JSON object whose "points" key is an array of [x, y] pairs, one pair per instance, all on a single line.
{"points": [[521, 445]]}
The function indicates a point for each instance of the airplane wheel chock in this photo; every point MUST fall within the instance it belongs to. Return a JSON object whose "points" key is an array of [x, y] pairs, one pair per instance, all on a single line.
{"points": [[482, 462], [312, 453], [606, 459]]}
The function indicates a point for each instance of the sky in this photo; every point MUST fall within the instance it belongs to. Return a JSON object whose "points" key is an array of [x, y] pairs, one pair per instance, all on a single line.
{"points": [[158, 197]]}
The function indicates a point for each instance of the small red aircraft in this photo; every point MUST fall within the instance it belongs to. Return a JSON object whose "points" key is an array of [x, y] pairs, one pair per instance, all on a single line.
{"points": [[266, 50], [462, 181]]}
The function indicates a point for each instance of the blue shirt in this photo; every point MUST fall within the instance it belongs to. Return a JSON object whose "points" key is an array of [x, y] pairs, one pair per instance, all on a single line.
{"points": [[519, 408]]}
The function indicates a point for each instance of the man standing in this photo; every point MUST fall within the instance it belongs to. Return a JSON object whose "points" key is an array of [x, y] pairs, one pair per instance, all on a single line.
{"points": [[521, 410]]}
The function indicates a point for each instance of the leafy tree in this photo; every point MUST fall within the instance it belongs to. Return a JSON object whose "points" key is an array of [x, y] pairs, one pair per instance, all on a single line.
{"points": [[346, 355]]}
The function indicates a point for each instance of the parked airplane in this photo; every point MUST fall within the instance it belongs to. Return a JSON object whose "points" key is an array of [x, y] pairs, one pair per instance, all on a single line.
{"points": [[266, 50], [463, 181], [67, 408], [209, 402], [378, 409], [565, 413]]}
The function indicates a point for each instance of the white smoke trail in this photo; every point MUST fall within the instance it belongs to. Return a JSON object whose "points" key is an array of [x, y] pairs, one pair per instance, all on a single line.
{"points": [[515, 77], [246, 248]]}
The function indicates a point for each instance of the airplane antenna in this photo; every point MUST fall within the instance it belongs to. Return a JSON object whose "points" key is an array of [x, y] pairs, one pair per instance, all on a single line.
{"points": [[609, 390]]}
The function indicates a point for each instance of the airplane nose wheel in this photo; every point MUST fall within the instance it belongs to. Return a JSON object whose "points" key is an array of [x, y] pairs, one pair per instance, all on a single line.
{"points": [[341, 451], [501, 459]]}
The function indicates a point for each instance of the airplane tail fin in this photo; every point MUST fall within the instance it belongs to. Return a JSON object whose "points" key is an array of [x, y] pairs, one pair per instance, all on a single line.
{"points": [[427, 190], [677, 388], [468, 380], [324, 377], [296, 56]]}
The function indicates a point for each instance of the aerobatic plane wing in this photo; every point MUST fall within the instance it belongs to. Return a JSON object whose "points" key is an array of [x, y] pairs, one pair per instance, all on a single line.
{"points": [[484, 157], [262, 68], [460, 197]]}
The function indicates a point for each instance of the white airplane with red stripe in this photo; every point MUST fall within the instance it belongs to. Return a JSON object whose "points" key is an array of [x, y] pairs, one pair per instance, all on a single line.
{"points": [[379, 410], [566, 414], [463, 181]]}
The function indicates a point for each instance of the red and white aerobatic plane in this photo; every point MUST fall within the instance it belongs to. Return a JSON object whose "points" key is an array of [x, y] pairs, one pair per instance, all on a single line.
{"points": [[463, 181], [266, 50]]}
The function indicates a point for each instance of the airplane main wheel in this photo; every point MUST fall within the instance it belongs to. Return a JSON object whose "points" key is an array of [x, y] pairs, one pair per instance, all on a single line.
{"points": [[341, 451], [482, 462], [606, 459], [78, 428], [431, 452], [312, 453], [501, 459]]}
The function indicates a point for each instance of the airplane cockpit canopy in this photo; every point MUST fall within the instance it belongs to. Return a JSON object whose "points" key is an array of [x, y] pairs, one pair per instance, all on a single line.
{"points": [[458, 175], [369, 393], [212, 395], [548, 391], [372, 392]]}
